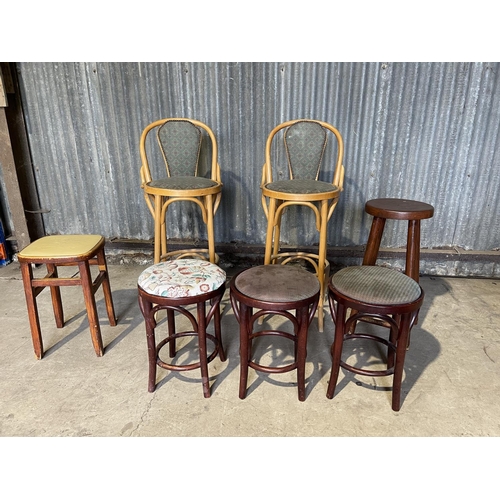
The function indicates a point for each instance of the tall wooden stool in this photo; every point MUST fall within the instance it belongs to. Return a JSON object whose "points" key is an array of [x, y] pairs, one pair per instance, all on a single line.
{"points": [[274, 289], [172, 286], [374, 293], [66, 250], [398, 209]]}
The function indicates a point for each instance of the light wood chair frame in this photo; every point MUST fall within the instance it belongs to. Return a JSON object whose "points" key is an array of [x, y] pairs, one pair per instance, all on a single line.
{"points": [[159, 199], [322, 204]]}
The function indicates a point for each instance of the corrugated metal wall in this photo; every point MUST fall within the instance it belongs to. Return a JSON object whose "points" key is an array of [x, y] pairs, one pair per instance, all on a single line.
{"points": [[425, 131]]}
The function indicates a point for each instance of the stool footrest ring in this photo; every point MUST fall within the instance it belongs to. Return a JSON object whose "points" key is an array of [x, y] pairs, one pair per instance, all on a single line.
{"points": [[369, 373], [181, 368]]}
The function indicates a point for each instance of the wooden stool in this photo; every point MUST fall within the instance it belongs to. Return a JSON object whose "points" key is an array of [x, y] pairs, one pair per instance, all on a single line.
{"points": [[398, 209], [374, 293], [172, 285], [274, 289], [66, 250]]}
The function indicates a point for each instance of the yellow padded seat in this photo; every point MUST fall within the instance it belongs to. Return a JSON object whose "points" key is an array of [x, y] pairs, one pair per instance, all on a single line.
{"points": [[61, 246]]}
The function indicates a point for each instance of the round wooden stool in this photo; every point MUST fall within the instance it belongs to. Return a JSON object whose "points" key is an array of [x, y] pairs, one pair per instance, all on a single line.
{"points": [[80, 250], [173, 285], [398, 209], [374, 293], [274, 290]]}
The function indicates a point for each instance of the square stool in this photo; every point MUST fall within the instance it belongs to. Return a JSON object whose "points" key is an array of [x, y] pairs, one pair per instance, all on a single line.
{"points": [[375, 294], [274, 290], [173, 285], [66, 250]]}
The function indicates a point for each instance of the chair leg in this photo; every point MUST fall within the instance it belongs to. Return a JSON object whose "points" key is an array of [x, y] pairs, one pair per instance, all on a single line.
{"points": [[106, 287], [158, 229], [337, 349], [210, 228], [321, 262], [270, 230], [202, 348], [36, 334], [55, 293], [88, 293]]}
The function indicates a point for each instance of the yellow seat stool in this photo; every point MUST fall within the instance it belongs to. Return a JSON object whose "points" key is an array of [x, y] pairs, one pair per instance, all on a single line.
{"points": [[66, 250]]}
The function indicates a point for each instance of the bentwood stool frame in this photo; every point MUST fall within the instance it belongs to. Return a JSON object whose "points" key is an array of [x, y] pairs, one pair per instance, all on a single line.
{"points": [[243, 305], [399, 317], [150, 304], [66, 250]]}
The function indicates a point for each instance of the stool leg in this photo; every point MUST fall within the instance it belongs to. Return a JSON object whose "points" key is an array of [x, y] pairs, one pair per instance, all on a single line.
{"points": [[374, 240], [202, 347], [171, 331], [371, 251], [413, 250], [36, 333], [302, 316], [55, 293], [218, 335], [402, 342], [245, 313], [88, 293], [150, 321], [337, 349], [106, 287]]}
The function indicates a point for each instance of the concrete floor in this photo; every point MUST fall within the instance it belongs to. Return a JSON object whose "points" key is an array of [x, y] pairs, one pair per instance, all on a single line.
{"points": [[451, 385]]}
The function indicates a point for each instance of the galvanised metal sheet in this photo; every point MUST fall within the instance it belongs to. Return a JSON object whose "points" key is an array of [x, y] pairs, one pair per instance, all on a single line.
{"points": [[425, 131]]}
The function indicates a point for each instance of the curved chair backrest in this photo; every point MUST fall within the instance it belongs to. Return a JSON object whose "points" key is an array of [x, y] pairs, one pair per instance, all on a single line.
{"points": [[180, 144], [305, 144], [180, 141]]}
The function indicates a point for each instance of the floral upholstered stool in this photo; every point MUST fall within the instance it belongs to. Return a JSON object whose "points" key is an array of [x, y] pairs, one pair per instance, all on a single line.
{"points": [[173, 285]]}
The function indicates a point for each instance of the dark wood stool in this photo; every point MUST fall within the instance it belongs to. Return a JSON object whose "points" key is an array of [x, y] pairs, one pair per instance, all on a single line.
{"points": [[374, 293], [66, 250], [274, 290], [398, 209], [172, 285]]}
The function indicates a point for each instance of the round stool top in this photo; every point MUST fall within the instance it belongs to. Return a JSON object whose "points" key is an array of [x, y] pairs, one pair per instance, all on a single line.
{"points": [[61, 246], [376, 285], [396, 208], [277, 283], [181, 278]]}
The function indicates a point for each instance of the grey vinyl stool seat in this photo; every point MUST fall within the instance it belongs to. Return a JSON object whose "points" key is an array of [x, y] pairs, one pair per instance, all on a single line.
{"points": [[377, 295], [274, 290]]}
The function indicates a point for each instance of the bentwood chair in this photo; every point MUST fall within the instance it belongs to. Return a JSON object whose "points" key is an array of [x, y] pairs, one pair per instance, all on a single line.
{"points": [[304, 182], [181, 142]]}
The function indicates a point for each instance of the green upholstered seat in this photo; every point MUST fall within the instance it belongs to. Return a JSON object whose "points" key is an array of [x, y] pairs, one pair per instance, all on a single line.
{"points": [[302, 186], [183, 182], [376, 285]]}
